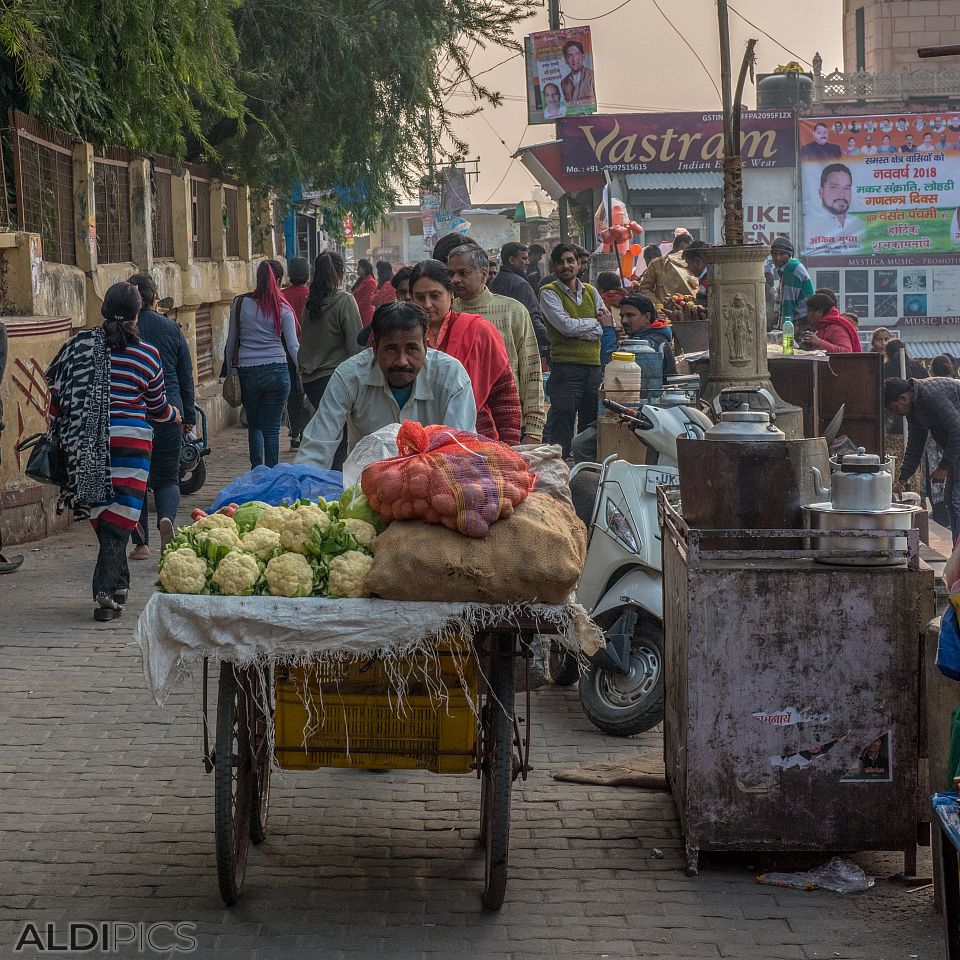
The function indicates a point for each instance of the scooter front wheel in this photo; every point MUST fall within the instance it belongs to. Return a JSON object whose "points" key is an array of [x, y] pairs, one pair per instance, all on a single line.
{"points": [[195, 480], [626, 704]]}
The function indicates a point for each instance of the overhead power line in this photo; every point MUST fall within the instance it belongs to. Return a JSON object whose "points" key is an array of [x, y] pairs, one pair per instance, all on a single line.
{"points": [[513, 160], [600, 16], [796, 56], [690, 48]]}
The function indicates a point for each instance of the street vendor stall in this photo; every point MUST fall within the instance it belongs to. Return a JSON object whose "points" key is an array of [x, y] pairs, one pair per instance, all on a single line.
{"points": [[381, 630]]}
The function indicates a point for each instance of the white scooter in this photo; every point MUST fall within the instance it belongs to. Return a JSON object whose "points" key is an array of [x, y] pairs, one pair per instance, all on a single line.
{"points": [[622, 584]]}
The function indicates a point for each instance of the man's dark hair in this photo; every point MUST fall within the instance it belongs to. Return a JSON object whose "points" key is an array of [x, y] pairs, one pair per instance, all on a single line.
{"points": [[395, 317], [834, 168], [640, 302], [893, 389], [821, 303], [695, 250], [146, 285], [680, 241], [893, 348], [943, 366], [650, 253], [821, 124], [512, 249], [402, 274], [536, 251], [559, 250], [827, 292], [608, 281], [298, 270], [581, 251], [442, 248], [573, 43], [432, 270]]}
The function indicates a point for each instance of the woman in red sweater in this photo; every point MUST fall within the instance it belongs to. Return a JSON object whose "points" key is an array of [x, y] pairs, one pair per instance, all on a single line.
{"points": [[477, 344], [832, 332], [364, 290]]}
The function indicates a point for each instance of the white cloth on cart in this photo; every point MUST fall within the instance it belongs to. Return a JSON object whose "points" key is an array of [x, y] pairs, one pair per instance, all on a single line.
{"points": [[176, 632]]}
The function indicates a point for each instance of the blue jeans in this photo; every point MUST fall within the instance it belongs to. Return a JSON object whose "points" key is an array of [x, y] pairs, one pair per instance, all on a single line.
{"points": [[264, 390]]}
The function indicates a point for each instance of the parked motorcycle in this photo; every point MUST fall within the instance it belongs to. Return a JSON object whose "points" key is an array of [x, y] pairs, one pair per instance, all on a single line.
{"points": [[193, 470], [622, 586]]}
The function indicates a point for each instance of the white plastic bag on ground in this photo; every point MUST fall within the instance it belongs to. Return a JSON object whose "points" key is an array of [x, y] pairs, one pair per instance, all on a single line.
{"points": [[379, 445], [838, 875]]}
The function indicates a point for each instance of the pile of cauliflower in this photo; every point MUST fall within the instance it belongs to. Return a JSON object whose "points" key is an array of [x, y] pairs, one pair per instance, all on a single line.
{"points": [[306, 549]]}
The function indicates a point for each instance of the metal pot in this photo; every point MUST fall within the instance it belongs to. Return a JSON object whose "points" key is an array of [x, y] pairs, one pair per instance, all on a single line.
{"points": [[745, 424], [897, 516], [859, 482]]}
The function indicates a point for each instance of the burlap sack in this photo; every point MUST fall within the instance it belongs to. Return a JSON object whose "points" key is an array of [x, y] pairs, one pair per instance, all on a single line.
{"points": [[536, 555]]}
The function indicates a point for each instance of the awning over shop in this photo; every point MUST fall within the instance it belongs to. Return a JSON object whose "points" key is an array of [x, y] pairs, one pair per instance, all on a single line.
{"points": [[545, 162], [928, 349], [528, 210], [694, 180]]}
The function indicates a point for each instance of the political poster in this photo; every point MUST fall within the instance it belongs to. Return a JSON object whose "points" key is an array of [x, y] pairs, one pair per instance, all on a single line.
{"points": [[429, 209], [881, 198], [560, 75]]}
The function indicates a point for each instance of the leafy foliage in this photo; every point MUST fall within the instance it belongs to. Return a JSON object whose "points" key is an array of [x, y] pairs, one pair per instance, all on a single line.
{"points": [[346, 95]]}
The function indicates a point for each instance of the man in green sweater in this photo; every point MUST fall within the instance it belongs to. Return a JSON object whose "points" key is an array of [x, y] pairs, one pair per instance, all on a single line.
{"points": [[470, 268], [574, 315]]}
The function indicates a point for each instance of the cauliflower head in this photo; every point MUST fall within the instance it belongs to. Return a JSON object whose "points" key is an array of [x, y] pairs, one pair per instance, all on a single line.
{"points": [[298, 527], [273, 518], [364, 533], [221, 536], [237, 574], [183, 571], [262, 542], [348, 574], [213, 522], [289, 575]]}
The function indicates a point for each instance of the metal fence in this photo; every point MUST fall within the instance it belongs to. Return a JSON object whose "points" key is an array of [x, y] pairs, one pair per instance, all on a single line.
{"points": [[203, 326], [231, 217], [43, 178], [161, 205], [901, 86], [111, 191], [200, 209]]}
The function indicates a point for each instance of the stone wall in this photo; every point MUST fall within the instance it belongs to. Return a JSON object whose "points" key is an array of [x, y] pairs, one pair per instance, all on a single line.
{"points": [[894, 30]]}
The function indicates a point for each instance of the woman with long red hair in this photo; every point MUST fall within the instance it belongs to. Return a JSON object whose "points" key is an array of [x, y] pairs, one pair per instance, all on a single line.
{"points": [[261, 325]]}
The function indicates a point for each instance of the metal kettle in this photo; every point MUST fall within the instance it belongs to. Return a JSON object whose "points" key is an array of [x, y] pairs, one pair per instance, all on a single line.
{"points": [[744, 424], [860, 483]]}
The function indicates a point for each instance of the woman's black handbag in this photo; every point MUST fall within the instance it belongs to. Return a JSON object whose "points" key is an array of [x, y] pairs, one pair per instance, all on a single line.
{"points": [[46, 462]]}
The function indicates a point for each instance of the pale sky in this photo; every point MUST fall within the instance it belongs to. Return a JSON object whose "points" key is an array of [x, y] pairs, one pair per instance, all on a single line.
{"points": [[641, 64]]}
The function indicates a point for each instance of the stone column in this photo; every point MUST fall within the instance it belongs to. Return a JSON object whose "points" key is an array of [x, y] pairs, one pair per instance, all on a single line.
{"points": [[736, 305], [182, 220], [218, 232], [267, 247], [243, 223], [84, 208], [141, 214]]}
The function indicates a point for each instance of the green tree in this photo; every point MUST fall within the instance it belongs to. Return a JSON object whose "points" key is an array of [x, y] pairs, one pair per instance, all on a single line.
{"points": [[140, 73]]}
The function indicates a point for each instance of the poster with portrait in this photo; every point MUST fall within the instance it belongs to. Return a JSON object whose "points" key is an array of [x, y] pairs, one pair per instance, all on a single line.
{"points": [[560, 75], [881, 197]]}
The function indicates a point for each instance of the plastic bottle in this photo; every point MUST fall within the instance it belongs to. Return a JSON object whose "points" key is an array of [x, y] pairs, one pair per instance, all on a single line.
{"points": [[787, 338], [622, 379]]}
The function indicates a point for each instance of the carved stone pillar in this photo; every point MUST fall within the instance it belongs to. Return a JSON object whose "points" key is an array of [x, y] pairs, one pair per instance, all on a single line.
{"points": [[738, 329]]}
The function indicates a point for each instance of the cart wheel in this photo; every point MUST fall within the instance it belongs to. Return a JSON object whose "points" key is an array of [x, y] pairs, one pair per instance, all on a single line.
{"points": [[262, 761], [233, 782], [497, 778]]}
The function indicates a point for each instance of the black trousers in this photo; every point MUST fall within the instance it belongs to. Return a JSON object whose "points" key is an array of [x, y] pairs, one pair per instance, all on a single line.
{"points": [[315, 390], [296, 409], [573, 389], [111, 572]]}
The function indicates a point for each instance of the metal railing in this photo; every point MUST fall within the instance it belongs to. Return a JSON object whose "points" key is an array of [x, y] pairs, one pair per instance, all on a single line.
{"points": [[161, 205], [920, 84], [43, 178], [231, 218], [200, 210], [111, 191]]}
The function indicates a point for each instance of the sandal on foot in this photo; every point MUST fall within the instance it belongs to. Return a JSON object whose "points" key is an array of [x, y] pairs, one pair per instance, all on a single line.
{"points": [[141, 552], [166, 533], [107, 608]]}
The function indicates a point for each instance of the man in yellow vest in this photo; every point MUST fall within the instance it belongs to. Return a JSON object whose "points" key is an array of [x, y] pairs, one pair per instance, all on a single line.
{"points": [[574, 315]]}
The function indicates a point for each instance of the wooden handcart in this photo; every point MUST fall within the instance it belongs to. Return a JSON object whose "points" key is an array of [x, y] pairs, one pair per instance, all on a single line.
{"points": [[358, 721]]}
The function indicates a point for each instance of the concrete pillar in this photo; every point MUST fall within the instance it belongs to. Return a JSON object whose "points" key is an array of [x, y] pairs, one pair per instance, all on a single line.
{"points": [[84, 207], [218, 230], [267, 247], [243, 223], [141, 214], [187, 318], [182, 220]]}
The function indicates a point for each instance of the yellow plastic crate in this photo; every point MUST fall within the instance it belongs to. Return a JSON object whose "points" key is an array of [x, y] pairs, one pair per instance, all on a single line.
{"points": [[355, 720]]}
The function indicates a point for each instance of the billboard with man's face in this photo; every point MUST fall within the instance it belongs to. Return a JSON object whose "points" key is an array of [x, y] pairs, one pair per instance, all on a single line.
{"points": [[560, 77], [884, 192]]}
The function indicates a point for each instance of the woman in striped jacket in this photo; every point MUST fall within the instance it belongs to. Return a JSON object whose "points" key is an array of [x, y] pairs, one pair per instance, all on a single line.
{"points": [[105, 387]]}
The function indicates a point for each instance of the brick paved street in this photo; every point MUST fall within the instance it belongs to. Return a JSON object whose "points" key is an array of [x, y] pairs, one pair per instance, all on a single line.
{"points": [[106, 814]]}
